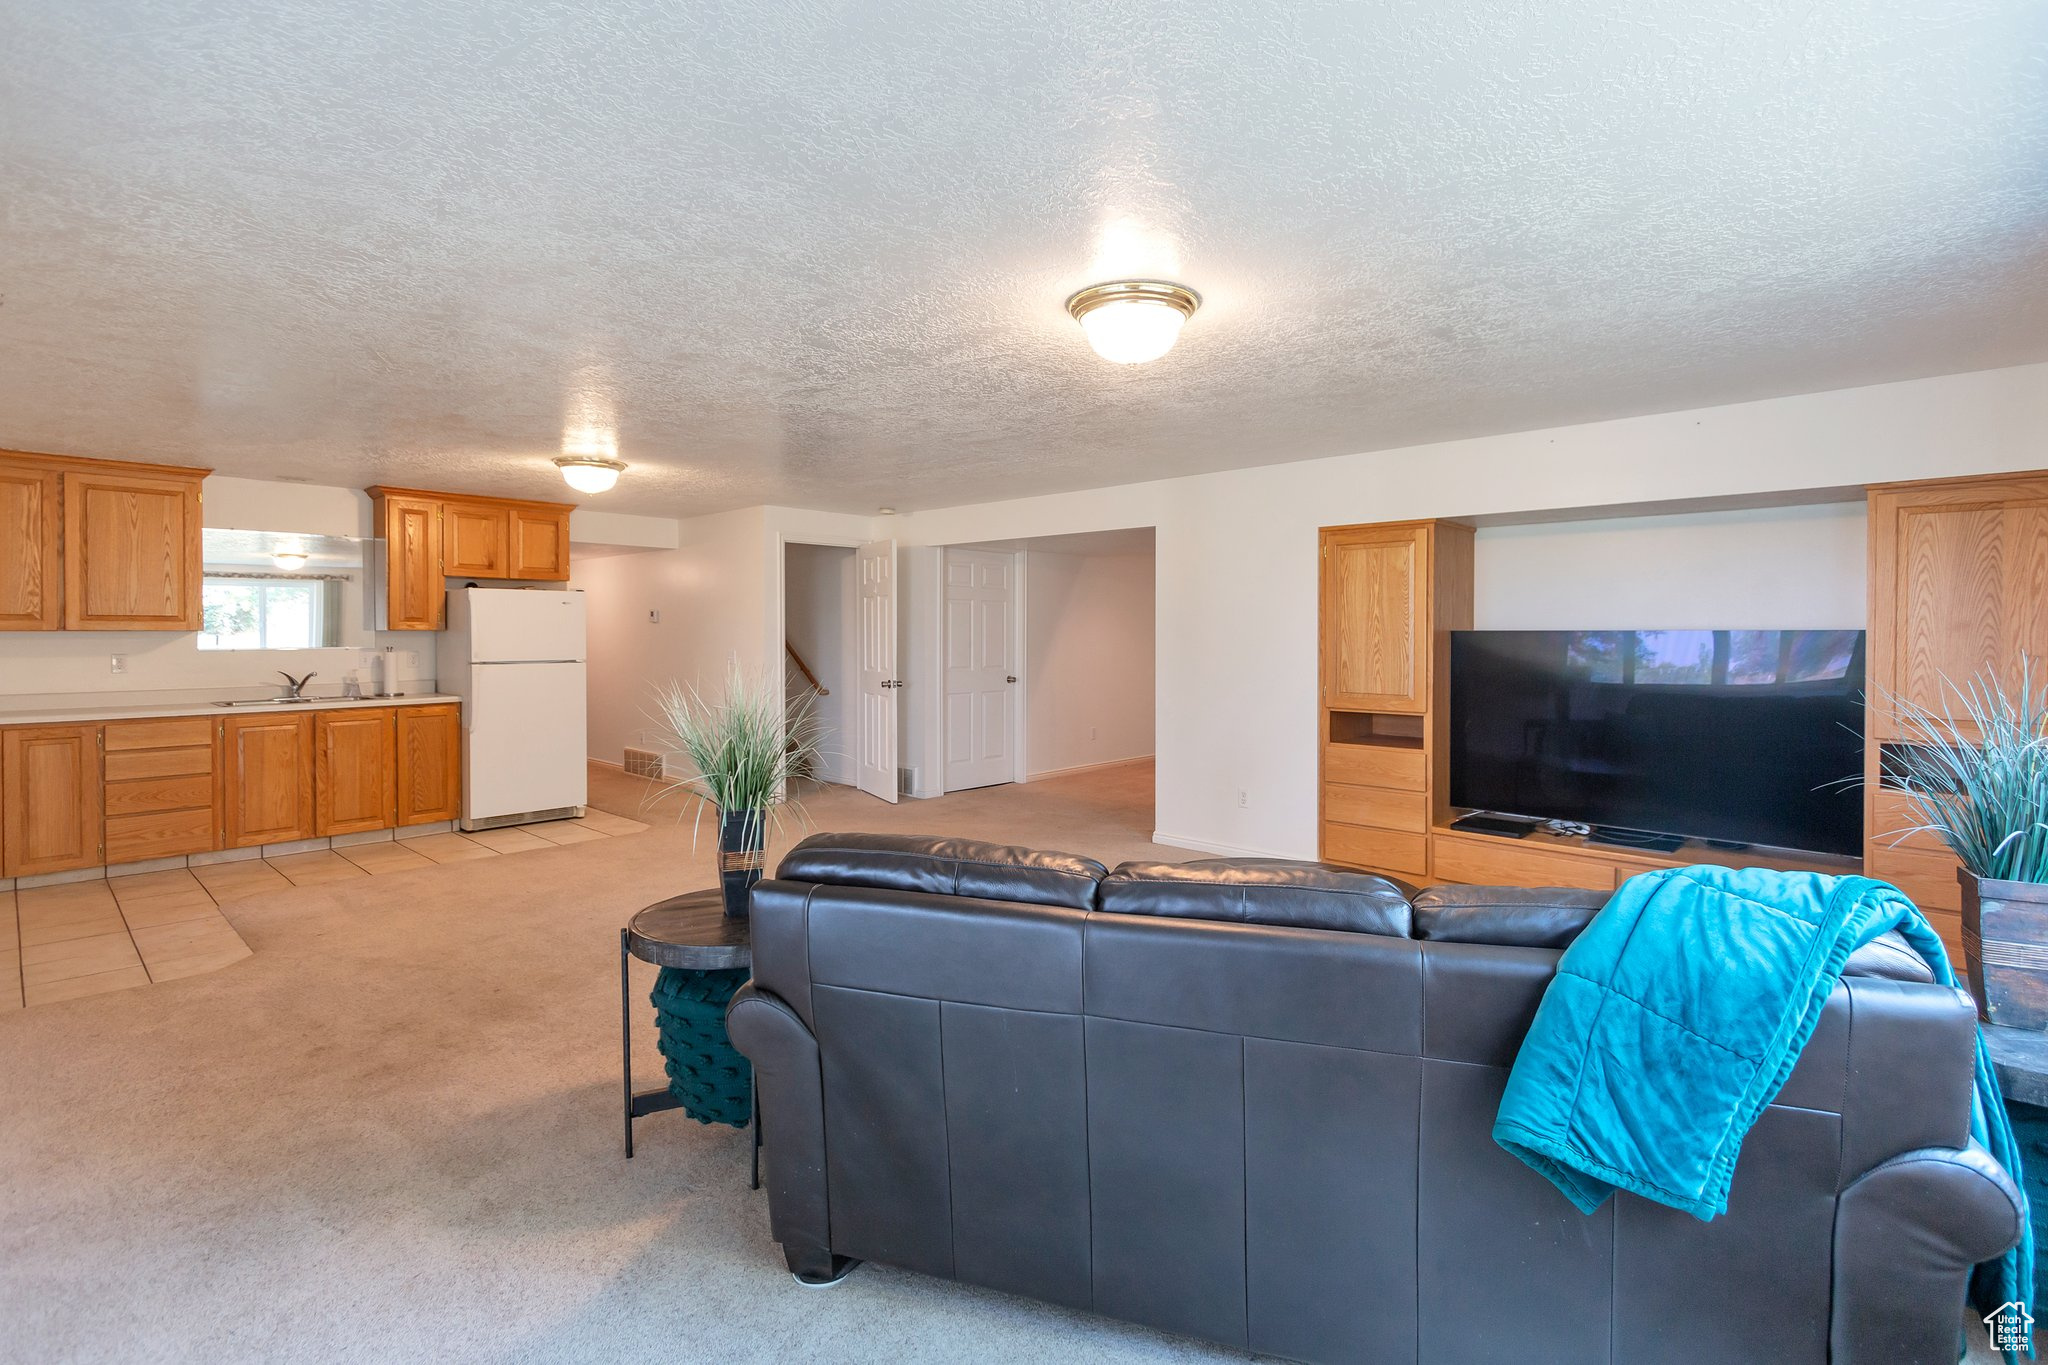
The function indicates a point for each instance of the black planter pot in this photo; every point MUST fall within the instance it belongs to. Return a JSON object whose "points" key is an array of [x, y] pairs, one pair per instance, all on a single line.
{"points": [[2005, 947], [742, 844]]}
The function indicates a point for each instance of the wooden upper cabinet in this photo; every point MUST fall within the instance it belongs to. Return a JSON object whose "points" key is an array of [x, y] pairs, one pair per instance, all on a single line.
{"points": [[475, 540], [1376, 617], [50, 799], [409, 529], [31, 523], [429, 537], [429, 763], [131, 551], [354, 778], [1958, 585], [540, 543], [269, 778]]}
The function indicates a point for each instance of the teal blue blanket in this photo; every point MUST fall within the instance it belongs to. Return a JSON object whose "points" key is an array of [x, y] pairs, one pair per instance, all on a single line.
{"points": [[1677, 1016]]}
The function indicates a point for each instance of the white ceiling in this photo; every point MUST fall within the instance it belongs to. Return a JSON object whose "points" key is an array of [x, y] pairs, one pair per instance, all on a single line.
{"points": [[815, 253]]}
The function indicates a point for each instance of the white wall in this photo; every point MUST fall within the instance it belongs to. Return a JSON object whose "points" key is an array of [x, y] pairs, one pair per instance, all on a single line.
{"points": [[1088, 659], [711, 598], [719, 595], [1237, 551], [818, 601], [1779, 568]]}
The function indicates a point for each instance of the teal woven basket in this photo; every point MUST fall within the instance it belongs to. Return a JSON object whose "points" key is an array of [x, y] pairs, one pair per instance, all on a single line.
{"points": [[708, 1077]]}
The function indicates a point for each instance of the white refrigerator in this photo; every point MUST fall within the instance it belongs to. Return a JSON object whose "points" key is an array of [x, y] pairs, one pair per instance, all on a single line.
{"points": [[516, 657]]}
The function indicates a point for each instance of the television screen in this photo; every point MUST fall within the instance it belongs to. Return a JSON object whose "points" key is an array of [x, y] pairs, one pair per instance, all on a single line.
{"points": [[1743, 736]]}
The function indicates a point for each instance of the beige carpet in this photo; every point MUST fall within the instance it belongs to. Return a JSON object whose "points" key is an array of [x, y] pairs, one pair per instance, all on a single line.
{"points": [[393, 1134]]}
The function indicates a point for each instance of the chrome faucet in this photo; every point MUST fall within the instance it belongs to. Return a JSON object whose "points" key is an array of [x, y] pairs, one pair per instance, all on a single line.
{"points": [[296, 687]]}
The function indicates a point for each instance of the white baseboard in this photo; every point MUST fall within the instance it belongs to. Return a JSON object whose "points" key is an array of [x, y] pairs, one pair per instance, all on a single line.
{"points": [[1089, 767], [1188, 841]]}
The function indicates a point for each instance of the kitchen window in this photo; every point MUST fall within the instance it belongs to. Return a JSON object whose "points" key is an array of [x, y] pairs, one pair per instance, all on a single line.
{"points": [[259, 611]]}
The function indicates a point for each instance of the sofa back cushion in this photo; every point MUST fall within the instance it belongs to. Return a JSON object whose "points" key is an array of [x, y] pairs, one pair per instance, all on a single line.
{"points": [[1274, 891], [1552, 916], [1506, 916], [946, 867]]}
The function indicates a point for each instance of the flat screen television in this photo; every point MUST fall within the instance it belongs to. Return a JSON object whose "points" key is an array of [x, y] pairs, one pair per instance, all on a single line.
{"points": [[1739, 736]]}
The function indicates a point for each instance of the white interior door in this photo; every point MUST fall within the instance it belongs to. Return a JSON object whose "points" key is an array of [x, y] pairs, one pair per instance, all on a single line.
{"points": [[981, 668], [875, 725]]}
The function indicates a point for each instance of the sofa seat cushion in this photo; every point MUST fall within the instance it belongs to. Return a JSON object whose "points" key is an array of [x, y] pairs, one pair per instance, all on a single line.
{"points": [[1274, 891], [945, 867]]}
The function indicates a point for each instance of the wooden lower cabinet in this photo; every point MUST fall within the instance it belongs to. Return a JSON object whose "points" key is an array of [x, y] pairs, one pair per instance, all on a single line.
{"points": [[429, 764], [50, 804], [268, 762], [354, 772], [126, 791], [162, 788]]}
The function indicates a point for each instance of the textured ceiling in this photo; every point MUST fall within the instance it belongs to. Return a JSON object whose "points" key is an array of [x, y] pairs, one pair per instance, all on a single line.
{"points": [[814, 253]]}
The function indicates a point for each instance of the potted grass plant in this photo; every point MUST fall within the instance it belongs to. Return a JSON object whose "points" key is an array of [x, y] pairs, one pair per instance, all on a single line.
{"points": [[741, 746], [1979, 782]]}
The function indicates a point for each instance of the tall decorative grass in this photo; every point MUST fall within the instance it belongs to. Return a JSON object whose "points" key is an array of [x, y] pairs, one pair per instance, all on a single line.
{"points": [[742, 745], [1979, 781]]}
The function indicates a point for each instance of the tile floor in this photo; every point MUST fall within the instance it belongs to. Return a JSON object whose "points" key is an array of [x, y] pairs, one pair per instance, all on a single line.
{"points": [[84, 938]]}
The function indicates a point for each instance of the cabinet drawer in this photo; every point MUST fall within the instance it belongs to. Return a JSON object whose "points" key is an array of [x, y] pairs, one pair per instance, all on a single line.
{"points": [[140, 763], [149, 794], [133, 838], [176, 733], [1376, 806], [1377, 850], [1374, 765], [1483, 864], [1928, 879]]}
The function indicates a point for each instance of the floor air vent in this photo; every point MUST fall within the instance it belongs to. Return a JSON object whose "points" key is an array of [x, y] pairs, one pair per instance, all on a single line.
{"points": [[643, 762]]}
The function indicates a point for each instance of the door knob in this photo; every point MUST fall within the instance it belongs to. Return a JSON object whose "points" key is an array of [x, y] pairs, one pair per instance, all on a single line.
{"points": [[1011, 678]]}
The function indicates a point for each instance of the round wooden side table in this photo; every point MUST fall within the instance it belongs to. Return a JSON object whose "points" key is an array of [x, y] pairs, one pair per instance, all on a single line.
{"points": [[691, 932]]}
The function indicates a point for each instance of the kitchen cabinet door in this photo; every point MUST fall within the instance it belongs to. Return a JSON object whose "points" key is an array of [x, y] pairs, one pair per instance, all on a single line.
{"points": [[474, 539], [540, 544], [31, 597], [429, 760], [52, 799], [269, 760], [131, 551], [410, 531], [354, 777]]}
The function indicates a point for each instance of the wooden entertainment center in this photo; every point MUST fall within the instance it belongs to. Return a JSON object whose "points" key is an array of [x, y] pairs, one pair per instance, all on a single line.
{"points": [[1958, 582]]}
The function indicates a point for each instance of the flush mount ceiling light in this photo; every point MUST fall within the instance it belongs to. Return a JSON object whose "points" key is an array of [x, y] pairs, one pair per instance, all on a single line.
{"points": [[589, 473], [1133, 321]]}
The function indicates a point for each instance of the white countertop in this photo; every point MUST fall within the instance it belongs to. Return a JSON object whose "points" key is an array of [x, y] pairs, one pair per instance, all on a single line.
{"points": [[144, 710]]}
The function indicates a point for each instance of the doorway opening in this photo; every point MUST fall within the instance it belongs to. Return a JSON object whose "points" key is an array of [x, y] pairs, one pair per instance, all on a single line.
{"points": [[818, 661], [1047, 659]]}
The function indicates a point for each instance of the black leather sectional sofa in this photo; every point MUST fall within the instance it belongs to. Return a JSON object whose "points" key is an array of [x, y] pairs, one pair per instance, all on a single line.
{"points": [[1252, 1102]]}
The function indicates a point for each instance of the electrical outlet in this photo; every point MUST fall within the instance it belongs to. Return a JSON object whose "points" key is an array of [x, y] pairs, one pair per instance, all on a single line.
{"points": [[1244, 799], [653, 616], [411, 658], [117, 663]]}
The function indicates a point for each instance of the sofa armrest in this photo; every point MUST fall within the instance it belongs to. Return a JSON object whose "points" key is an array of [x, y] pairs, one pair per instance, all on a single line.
{"points": [[1907, 1233], [791, 1089]]}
